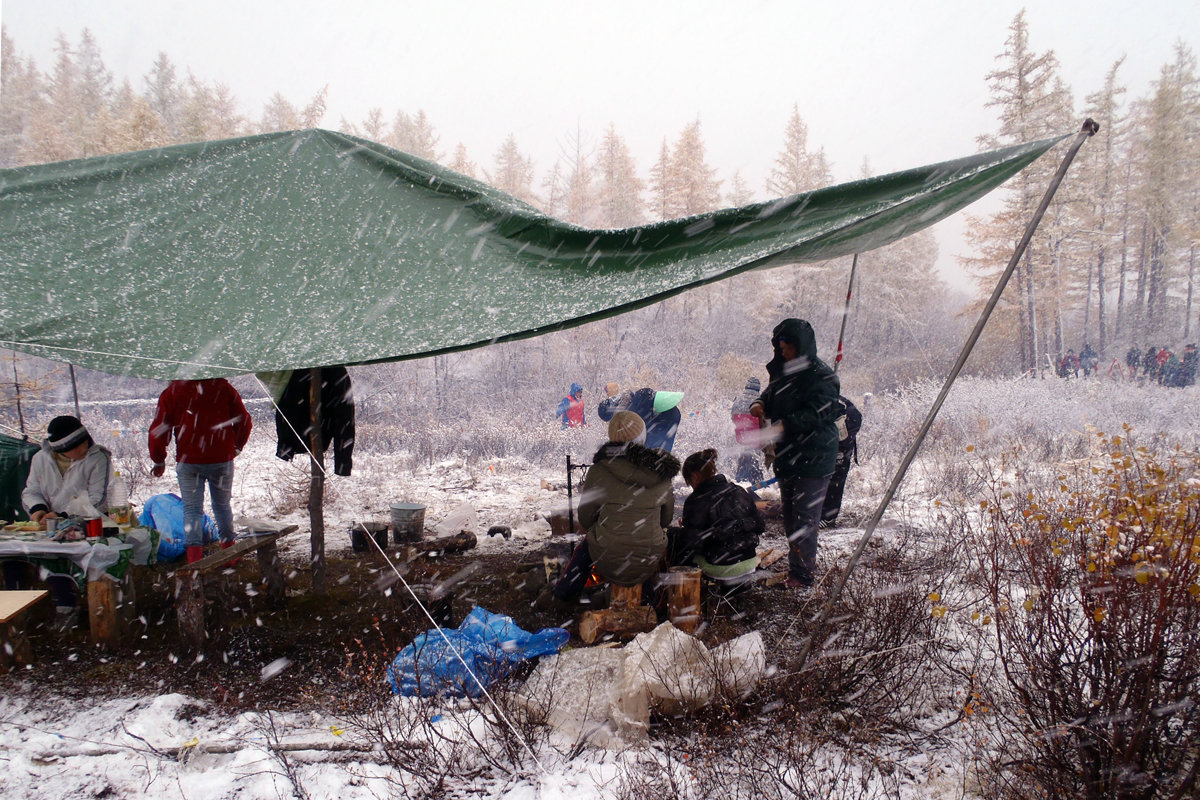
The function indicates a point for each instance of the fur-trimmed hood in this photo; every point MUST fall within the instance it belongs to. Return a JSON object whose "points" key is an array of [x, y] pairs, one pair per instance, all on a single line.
{"points": [[659, 463]]}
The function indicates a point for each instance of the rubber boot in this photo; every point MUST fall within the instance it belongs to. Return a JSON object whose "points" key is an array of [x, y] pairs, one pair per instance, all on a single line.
{"points": [[225, 545], [195, 552]]}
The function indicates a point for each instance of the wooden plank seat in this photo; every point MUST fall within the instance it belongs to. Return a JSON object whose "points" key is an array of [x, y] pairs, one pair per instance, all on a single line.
{"points": [[191, 580], [14, 646]]}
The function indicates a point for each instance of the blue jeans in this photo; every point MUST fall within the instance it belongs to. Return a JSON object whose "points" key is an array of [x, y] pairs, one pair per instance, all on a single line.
{"points": [[192, 478], [802, 500]]}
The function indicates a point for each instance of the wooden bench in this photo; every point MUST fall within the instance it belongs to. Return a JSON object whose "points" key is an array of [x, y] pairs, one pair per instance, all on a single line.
{"points": [[190, 596], [14, 646]]}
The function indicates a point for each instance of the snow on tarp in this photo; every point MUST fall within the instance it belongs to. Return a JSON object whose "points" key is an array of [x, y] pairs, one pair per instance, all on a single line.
{"points": [[604, 695], [313, 248]]}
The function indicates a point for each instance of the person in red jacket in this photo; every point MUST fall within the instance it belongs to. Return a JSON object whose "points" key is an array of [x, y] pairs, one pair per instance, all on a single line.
{"points": [[210, 426]]}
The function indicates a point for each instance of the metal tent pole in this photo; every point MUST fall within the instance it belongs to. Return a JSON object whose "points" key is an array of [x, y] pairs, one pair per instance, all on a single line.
{"points": [[1089, 128], [845, 312]]}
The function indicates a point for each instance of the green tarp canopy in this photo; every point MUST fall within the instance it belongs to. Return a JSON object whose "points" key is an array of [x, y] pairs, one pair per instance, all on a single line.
{"points": [[313, 248]]}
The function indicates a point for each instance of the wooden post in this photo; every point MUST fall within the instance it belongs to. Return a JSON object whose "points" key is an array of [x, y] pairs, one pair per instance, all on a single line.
{"points": [[106, 612], [189, 607], [316, 486], [272, 572], [683, 598]]}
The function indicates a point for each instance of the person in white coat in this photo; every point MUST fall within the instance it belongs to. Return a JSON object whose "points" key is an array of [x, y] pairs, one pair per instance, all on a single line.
{"points": [[69, 465]]}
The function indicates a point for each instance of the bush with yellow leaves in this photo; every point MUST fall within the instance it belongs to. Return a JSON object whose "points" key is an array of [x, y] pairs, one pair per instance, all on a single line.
{"points": [[1093, 583]]}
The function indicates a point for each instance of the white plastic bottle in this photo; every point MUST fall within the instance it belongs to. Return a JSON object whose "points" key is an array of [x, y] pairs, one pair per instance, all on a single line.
{"points": [[118, 500]]}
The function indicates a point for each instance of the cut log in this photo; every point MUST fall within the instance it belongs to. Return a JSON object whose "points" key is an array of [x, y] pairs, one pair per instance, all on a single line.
{"points": [[624, 617], [683, 598], [460, 542]]}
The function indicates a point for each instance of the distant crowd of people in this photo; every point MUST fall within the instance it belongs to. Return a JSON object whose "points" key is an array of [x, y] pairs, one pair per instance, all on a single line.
{"points": [[1162, 365], [1159, 365]]}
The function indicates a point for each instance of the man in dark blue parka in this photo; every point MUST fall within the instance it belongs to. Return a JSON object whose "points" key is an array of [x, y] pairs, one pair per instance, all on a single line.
{"points": [[800, 406]]}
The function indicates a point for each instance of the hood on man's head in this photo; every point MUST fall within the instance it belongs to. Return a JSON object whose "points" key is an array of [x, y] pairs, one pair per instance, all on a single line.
{"points": [[799, 334], [576, 389]]}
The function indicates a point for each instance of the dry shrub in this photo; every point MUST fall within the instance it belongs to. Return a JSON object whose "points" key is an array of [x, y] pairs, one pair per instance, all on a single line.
{"points": [[1094, 587], [791, 761], [868, 669]]}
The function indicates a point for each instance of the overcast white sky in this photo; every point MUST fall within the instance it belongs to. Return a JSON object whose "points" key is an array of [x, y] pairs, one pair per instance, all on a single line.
{"points": [[903, 84]]}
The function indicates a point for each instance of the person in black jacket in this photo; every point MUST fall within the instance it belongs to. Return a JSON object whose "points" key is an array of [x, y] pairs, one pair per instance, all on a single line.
{"points": [[799, 408], [721, 523], [848, 422], [337, 417]]}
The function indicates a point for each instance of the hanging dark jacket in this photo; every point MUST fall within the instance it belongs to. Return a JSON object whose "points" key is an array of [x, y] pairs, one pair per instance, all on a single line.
{"points": [[722, 520], [803, 397], [337, 417]]}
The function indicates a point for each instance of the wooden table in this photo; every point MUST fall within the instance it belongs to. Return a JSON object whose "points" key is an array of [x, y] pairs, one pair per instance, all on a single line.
{"points": [[14, 647], [109, 600]]}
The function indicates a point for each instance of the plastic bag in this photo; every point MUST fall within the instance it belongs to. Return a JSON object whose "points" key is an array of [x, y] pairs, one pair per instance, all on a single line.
{"points": [[490, 645], [164, 513], [460, 519]]}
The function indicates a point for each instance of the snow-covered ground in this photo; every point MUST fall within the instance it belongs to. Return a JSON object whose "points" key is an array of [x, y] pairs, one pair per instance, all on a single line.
{"points": [[171, 746]]}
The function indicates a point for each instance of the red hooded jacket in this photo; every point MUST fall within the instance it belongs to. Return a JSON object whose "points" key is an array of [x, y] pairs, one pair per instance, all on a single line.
{"points": [[207, 419]]}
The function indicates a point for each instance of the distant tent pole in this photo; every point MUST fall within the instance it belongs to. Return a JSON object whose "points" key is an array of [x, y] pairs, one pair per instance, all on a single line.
{"points": [[17, 386], [1089, 128], [75, 391], [845, 312]]}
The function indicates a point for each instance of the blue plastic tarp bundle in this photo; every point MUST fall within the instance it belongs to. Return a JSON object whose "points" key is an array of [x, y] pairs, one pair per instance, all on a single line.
{"points": [[164, 513], [489, 644]]}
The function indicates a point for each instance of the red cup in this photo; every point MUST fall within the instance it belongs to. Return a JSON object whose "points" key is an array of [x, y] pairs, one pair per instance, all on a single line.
{"points": [[94, 527]]}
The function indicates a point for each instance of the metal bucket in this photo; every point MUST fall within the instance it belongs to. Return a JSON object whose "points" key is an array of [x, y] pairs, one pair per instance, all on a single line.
{"points": [[408, 522], [361, 530]]}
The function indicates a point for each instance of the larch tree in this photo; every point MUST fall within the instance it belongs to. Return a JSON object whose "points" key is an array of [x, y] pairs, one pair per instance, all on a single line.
{"points": [[696, 187], [662, 189], [415, 135], [581, 204], [795, 169], [208, 113], [462, 163], [1099, 169], [22, 91], [1166, 125], [373, 127], [739, 193], [554, 192], [163, 93], [93, 94], [137, 126], [618, 188], [1029, 99], [512, 172]]}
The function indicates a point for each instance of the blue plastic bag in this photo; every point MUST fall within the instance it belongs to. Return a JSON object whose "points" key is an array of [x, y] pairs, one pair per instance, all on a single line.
{"points": [[164, 513], [490, 644]]}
